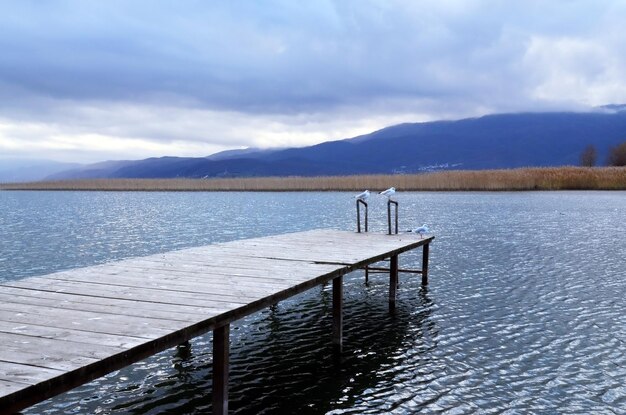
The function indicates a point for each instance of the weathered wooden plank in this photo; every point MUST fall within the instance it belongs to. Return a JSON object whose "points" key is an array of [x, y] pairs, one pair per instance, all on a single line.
{"points": [[337, 238], [221, 276], [340, 238], [318, 248], [355, 248], [197, 294], [184, 270], [189, 273], [359, 252], [113, 303], [207, 287], [154, 295], [354, 240], [260, 249], [211, 255], [80, 336], [234, 313], [100, 308], [330, 237], [61, 349], [230, 259], [7, 387], [26, 374], [236, 266], [246, 250], [303, 256], [41, 358], [106, 324], [226, 289], [85, 317]]}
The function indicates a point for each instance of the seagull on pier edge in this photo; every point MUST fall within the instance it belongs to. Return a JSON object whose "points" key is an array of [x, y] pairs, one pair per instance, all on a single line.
{"points": [[363, 196], [421, 230], [389, 192]]}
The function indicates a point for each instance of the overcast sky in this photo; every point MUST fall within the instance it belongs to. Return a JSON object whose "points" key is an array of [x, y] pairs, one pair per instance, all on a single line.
{"points": [[93, 80]]}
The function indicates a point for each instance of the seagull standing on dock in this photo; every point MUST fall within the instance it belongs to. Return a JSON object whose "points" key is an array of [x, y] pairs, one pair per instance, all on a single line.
{"points": [[363, 196], [421, 230], [389, 192]]}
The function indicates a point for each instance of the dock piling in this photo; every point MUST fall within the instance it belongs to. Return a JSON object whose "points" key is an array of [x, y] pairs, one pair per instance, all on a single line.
{"points": [[337, 314], [393, 281], [425, 264], [221, 346], [183, 351]]}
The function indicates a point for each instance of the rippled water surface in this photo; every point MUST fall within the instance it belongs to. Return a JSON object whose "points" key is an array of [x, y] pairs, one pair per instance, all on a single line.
{"points": [[525, 311]]}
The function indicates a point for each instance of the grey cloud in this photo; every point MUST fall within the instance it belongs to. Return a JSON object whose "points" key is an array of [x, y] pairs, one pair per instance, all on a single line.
{"points": [[276, 56]]}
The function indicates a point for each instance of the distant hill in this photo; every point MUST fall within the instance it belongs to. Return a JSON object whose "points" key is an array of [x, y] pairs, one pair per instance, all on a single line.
{"points": [[493, 141], [102, 169], [241, 153], [28, 170]]}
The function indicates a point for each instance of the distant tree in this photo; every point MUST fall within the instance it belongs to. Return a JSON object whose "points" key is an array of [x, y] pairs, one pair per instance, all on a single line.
{"points": [[617, 155], [589, 156]]}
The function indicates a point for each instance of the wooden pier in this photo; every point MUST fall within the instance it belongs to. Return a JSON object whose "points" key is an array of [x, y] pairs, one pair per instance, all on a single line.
{"points": [[65, 329]]}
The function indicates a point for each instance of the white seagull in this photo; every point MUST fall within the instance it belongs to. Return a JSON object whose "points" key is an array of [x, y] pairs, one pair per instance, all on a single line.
{"points": [[389, 192], [363, 196], [421, 230]]}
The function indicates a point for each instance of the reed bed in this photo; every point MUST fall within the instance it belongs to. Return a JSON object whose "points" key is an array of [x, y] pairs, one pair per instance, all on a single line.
{"points": [[557, 178]]}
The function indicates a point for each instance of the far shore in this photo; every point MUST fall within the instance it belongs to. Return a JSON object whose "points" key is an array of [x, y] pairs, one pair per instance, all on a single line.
{"points": [[552, 178]]}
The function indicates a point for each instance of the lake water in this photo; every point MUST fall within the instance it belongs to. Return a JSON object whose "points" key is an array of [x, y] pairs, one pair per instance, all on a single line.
{"points": [[525, 311]]}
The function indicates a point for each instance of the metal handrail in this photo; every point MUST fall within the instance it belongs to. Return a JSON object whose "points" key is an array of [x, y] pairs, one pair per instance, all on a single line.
{"points": [[358, 215], [389, 203]]}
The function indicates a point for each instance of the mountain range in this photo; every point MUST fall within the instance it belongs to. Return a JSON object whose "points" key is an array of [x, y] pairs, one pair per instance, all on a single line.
{"points": [[488, 142]]}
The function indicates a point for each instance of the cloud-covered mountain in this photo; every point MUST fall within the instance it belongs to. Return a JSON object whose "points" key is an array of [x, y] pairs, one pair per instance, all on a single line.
{"points": [[24, 170], [494, 141]]}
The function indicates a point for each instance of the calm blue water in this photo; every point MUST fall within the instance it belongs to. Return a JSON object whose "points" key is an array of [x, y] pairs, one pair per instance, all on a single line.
{"points": [[525, 311]]}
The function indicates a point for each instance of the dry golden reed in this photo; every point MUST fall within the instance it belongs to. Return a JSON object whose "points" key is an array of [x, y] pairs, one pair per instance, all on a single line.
{"points": [[553, 178]]}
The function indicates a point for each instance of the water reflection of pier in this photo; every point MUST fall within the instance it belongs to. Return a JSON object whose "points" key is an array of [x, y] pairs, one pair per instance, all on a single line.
{"points": [[65, 329]]}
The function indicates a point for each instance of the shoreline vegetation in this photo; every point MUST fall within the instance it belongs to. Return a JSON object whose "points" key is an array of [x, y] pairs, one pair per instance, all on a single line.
{"points": [[550, 178]]}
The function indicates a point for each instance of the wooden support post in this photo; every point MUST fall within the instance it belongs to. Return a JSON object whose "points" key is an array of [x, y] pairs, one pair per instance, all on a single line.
{"points": [[221, 343], [367, 274], [183, 351], [393, 281], [337, 313], [425, 265]]}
